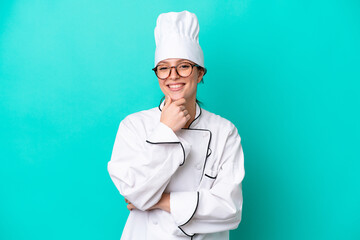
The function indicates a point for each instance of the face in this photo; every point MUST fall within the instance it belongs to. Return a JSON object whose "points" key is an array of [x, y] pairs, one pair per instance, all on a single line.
{"points": [[179, 87]]}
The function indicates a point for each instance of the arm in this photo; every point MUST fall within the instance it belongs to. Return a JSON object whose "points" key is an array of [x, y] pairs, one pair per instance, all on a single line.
{"points": [[163, 204], [218, 208], [141, 168]]}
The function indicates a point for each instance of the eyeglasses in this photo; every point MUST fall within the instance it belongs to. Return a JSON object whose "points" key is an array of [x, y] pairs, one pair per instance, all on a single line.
{"points": [[182, 69]]}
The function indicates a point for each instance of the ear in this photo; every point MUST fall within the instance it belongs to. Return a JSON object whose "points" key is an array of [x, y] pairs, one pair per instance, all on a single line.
{"points": [[200, 74]]}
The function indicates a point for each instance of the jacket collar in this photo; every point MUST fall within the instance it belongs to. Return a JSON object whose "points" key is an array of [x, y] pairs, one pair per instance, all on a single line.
{"points": [[197, 114]]}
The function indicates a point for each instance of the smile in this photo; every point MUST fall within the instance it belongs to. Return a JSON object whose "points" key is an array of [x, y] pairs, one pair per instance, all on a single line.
{"points": [[176, 87]]}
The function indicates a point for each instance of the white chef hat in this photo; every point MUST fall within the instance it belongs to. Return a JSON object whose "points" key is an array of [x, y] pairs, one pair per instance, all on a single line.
{"points": [[177, 36]]}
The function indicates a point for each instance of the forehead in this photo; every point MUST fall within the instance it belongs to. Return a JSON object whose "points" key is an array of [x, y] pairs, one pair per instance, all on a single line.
{"points": [[173, 61]]}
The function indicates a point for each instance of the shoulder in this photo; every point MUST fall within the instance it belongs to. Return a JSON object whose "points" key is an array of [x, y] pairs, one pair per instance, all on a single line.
{"points": [[217, 123], [138, 124], [141, 118], [216, 119]]}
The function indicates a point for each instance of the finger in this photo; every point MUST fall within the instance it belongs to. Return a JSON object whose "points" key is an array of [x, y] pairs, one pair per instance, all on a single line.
{"points": [[182, 107], [188, 117], [127, 201], [167, 101], [130, 206], [185, 112]]}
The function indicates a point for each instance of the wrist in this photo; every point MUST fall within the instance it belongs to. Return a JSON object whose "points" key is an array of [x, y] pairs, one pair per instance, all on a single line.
{"points": [[167, 124], [165, 203]]}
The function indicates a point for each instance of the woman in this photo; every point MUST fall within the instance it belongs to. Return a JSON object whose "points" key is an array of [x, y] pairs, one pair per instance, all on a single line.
{"points": [[178, 166]]}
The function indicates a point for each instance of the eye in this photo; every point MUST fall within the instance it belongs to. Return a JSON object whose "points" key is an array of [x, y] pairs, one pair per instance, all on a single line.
{"points": [[184, 66], [162, 68]]}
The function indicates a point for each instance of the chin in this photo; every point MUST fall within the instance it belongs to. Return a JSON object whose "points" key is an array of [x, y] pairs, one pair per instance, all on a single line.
{"points": [[176, 97]]}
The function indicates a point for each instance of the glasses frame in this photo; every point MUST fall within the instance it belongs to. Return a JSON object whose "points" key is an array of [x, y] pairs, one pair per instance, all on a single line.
{"points": [[191, 64]]}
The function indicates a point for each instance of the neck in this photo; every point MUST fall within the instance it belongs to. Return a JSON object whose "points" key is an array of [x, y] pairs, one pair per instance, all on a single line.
{"points": [[191, 107]]}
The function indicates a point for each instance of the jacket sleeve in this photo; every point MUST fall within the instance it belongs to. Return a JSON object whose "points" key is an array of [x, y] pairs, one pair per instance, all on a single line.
{"points": [[141, 166], [217, 207]]}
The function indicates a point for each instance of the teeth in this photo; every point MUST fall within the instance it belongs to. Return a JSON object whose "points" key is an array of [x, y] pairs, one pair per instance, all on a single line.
{"points": [[175, 86]]}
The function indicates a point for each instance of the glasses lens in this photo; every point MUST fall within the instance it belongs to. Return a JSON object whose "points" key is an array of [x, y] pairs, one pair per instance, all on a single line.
{"points": [[162, 71], [184, 69]]}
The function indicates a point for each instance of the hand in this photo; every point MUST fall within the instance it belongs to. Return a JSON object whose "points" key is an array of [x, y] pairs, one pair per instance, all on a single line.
{"points": [[163, 204], [130, 206], [174, 114]]}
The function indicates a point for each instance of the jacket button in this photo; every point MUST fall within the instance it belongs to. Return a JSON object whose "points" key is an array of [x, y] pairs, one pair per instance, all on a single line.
{"points": [[199, 166]]}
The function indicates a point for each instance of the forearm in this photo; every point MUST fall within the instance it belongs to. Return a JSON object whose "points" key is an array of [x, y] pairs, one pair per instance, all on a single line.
{"points": [[207, 210], [163, 204], [141, 169]]}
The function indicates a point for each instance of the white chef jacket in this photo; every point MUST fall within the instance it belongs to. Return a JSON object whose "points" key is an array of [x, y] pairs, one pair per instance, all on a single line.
{"points": [[202, 168]]}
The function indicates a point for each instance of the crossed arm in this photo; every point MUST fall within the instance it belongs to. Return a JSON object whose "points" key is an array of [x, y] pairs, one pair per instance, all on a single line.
{"points": [[141, 173], [163, 204]]}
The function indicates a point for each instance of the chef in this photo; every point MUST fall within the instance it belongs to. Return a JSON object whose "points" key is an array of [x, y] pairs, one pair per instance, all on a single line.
{"points": [[178, 166]]}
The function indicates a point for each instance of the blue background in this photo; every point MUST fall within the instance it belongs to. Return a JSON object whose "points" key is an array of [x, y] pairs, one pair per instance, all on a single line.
{"points": [[286, 73]]}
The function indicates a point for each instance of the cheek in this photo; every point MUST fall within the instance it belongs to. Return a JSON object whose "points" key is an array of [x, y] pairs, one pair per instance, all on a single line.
{"points": [[194, 83], [162, 86]]}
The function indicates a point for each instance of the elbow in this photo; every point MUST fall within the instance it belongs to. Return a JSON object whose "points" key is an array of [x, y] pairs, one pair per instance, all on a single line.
{"points": [[234, 216], [238, 212], [236, 220]]}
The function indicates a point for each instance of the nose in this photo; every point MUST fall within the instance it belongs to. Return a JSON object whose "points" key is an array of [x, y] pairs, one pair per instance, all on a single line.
{"points": [[173, 73]]}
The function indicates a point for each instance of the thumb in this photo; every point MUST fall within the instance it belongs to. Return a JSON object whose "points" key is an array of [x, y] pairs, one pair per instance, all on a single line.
{"points": [[167, 101]]}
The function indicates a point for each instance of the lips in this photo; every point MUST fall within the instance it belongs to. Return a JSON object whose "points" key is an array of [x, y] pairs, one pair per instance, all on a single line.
{"points": [[176, 87]]}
